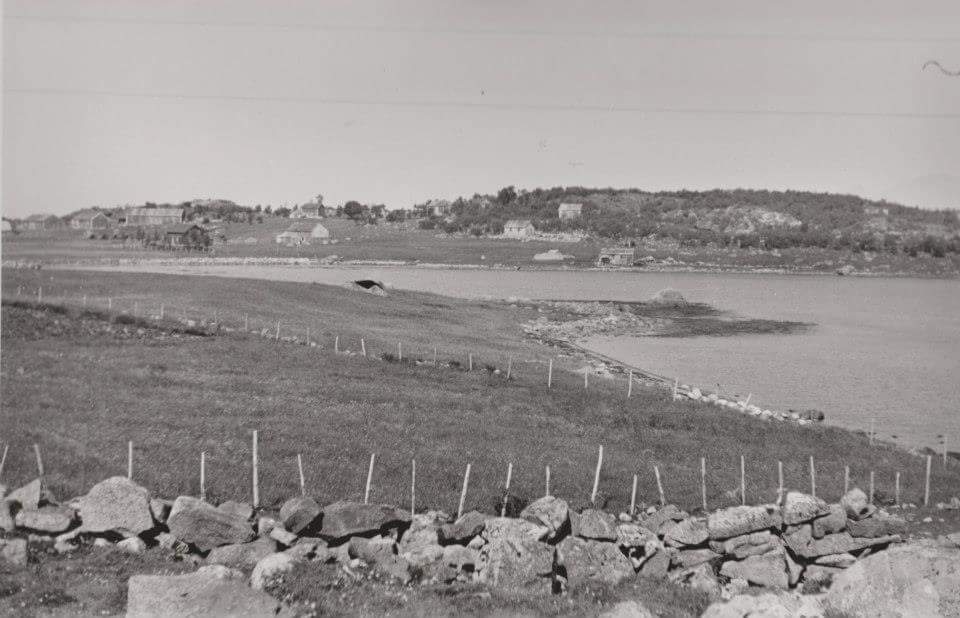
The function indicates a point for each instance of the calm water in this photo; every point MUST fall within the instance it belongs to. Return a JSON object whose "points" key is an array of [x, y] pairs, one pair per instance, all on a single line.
{"points": [[883, 349]]}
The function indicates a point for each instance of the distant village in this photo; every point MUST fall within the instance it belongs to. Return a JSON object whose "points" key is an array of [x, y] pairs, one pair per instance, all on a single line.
{"points": [[198, 225]]}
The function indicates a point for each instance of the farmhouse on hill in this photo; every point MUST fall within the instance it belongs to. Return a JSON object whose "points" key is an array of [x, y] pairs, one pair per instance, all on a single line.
{"points": [[617, 256], [186, 236], [518, 228], [569, 211], [312, 210], [42, 222], [90, 219], [302, 232]]}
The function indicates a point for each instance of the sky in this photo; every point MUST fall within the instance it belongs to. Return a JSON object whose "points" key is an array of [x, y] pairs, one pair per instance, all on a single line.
{"points": [[272, 101]]}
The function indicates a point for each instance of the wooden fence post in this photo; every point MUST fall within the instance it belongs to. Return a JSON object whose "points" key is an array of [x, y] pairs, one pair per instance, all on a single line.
{"points": [[629, 384], [509, 367], [550, 373], [546, 477], [703, 482], [336, 344], [413, 486], [256, 471], [278, 330], [130, 459], [366, 492], [656, 473], [846, 479], [40, 470], [400, 350], [3, 458], [506, 491], [363, 347], [871, 487], [586, 377], [780, 482], [303, 480], [743, 481], [633, 496], [596, 477], [813, 478], [896, 489], [463, 492], [203, 475], [926, 484], [470, 361]]}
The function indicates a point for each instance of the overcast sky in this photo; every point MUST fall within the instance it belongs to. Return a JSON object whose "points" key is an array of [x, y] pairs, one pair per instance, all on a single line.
{"points": [[272, 102]]}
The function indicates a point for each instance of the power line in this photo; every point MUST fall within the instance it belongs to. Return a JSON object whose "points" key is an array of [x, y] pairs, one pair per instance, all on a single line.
{"points": [[492, 105], [666, 34]]}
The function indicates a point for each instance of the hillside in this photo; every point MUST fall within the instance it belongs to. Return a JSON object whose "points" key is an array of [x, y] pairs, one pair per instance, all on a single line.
{"points": [[743, 218]]}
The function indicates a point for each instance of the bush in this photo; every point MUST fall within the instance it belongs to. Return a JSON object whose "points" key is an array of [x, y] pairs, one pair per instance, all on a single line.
{"points": [[427, 224]]}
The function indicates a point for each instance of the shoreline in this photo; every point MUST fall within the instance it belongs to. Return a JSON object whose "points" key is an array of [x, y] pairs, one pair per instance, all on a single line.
{"points": [[200, 262]]}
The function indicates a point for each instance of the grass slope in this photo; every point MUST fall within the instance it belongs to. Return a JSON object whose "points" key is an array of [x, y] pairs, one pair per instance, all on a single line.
{"points": [[83, 396]]}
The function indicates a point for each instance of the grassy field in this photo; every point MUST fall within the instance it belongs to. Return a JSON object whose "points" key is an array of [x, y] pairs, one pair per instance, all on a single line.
{"points": [[405, 242], [82, 397]]}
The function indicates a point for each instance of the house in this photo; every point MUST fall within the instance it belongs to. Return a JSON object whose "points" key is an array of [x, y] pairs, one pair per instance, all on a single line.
{"points": [[617, 256], [433, 208], [876, 211], [568, 211], [42, 222], [186, 236], [518, 228], [313, 210], [302, 232], [89, 219], [154, 215]]}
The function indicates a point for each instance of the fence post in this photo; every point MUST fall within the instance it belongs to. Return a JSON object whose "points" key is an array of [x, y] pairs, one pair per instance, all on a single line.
{"points": [[463, 492], [303, 480], [813, 478], [546, 477], [40, 470], [130, 459], [203, 475], [703, 482], [596, 477], [506, 491], [633, 496], [743, 481], [656, 473], [366, 492], [3, 458], [550, 373], [413, 486], [256, 471], [926, 485], [780, 482], [846, 479], [630, 384]]}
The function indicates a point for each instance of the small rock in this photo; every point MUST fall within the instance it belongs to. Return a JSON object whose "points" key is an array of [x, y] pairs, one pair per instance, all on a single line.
{"points": [[197, 522], [345, 518], [739, 520], [856, 505], [14, 551], [692, 531], [548, 511], [627, 609], [688, 558], [28, 496], [768, 570], [241, 510], [52, 519], [834, 521], [633, 535], [800, 507], [592, 561], [160, 509], [132, 545], [269, 568], [878, 525], [596, 524], [298, 514], [265, 525], [283, 537], [242, 555], [464, 529]]}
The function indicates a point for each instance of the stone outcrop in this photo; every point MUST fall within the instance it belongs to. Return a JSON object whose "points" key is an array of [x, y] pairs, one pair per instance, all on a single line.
{"points": [[116, 505], [197, 522], [201, 594], [345, 519]]}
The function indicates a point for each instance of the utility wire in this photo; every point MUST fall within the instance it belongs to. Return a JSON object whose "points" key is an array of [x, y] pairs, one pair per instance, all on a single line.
{"points": [[493, 105], [666, 34]]}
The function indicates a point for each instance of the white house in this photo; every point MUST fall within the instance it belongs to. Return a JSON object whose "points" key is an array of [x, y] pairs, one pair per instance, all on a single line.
{"points": [[518, 228], [568, 211], [302, 232]]}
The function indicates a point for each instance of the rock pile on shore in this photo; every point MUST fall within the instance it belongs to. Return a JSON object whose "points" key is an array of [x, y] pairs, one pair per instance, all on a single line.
{"points": [[803, 543]]}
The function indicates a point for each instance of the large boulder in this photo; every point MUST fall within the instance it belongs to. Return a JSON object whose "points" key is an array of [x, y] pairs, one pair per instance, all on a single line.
{"points": [[692, 531], [584, 561], [420, 544], [596, 524], [298, 514], [514, 555], [467, 527], [269, 568], [834, 521], [739, 520], [799, 508], [346, 518], [197, 522], [880, 524], [917, 579], [29, 496], [50, 519], [768, 570], [207, 592], [548, 511], [242, 555], [856, 504], [116, 504], [767, 605], [802, 543]]}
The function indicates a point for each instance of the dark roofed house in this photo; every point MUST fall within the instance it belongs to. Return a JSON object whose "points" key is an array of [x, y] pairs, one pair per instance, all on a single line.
{"points": [[89, 219], [617, 256], [186, 236], [569, 210]]}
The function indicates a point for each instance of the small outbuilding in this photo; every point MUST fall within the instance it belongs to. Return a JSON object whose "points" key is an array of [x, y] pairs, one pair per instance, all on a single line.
{"points": [[186, 236], [90, 220], [519, 228], [617, 256], [569, 210]]}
